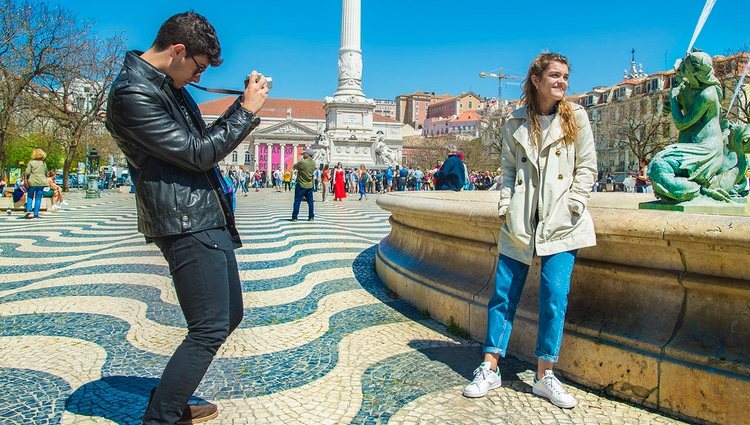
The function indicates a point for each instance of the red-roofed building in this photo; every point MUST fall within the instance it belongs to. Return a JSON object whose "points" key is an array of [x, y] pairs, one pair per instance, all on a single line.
{"points": [[288, 127]]}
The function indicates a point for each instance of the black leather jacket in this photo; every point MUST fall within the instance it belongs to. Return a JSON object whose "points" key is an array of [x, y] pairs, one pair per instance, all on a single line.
{"points": [[171, 152]]}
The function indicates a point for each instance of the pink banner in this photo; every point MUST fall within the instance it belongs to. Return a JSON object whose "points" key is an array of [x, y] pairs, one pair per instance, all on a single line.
{"points": [[275, 156], [263, 157], [288, 157]]}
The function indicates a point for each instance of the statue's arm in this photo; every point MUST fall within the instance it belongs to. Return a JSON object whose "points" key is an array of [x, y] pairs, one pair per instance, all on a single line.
{"points": [[699, 107]]}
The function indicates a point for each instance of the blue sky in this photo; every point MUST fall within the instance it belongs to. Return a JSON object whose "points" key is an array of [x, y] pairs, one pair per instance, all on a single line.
{"points": [[437, 45]]}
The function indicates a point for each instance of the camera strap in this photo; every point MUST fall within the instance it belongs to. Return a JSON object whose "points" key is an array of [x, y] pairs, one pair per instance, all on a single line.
{"points": [[220, 91]]}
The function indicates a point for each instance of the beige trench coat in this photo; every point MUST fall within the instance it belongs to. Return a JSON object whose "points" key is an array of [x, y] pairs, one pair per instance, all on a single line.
{"points": [[545, 192]]}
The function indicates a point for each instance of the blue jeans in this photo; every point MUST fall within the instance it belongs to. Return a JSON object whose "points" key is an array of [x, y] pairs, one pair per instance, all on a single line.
{"points": [[34, 194], [362, 191], [554, 286], [299, 194]]}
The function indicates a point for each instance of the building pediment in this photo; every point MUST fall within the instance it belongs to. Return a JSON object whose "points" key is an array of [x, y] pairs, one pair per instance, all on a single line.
{"points": [[286, 129]]}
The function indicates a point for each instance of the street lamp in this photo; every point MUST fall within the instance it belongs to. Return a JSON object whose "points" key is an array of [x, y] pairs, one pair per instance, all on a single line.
{"points": [[92, 184]]}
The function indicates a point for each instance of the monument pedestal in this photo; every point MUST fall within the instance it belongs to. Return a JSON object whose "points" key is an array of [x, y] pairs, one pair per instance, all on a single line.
{"points": [[349, 126]]}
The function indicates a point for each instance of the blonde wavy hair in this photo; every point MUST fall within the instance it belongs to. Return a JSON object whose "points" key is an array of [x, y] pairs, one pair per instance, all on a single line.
{"points": [[38, 154], [530, 99]]}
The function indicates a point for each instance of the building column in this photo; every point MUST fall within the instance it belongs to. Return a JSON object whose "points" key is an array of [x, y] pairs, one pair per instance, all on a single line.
{"points": [[255, 157], [269, 158], [283, 165], [294, 153]]}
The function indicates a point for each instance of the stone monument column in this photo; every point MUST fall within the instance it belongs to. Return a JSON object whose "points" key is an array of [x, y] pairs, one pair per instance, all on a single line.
{"points": [[350, 52]]}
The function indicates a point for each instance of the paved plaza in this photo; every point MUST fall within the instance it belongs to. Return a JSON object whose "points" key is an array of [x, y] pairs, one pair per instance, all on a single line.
{"points": [[88, 318]]}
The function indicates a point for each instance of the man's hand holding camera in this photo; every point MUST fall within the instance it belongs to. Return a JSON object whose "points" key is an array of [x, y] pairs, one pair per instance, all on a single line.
{"points": [[256, 92]]}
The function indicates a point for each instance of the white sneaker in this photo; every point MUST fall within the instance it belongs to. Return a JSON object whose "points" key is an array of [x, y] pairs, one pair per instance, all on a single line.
{"points": [[64, 203], [484, 380], [551, 389]]}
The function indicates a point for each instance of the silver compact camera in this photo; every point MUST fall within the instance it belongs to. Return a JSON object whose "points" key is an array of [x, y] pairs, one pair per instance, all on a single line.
{"points": [[269, 80]]}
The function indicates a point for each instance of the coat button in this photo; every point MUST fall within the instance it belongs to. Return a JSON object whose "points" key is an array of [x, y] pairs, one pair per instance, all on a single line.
{"points": [[523, 159], [557, 153], [185, 218], [559, 177]]}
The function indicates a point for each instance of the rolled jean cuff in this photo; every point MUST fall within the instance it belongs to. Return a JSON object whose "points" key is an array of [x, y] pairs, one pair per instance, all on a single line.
{"points": [[545, 357], [495, 350]]}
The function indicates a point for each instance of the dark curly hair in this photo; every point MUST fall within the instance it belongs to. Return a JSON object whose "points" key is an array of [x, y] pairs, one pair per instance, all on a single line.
{"points": [[192, 30]]}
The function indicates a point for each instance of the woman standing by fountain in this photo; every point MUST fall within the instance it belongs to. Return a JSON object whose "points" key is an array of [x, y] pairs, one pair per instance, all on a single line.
{"points": [[549, 167]]}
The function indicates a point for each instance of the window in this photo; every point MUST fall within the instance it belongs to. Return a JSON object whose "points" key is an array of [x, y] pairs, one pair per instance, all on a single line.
{"points": [[653, 84], [234, 156], [470, 104], [247, 157]]}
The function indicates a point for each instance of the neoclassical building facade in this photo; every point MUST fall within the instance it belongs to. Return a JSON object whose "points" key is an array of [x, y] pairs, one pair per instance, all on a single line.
{"points": [[288, 127]]}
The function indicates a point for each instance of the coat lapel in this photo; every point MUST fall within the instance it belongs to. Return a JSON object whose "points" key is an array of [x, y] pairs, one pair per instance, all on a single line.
{"points": [[555, 132]]}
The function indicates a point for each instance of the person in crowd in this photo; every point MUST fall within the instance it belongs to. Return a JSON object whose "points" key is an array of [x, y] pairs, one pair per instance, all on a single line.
{"points": [[434, 173], [551, 195], [339, 177], [19, 193], [3, 183], [642, 182], [287, 180], [325, 178], [181, 196], [57, 198], [389, 178], [452, 173], [304, 187], [257, 180], [231, 193], [364, 178], [371, 182], [498, 181], [278, 176], [316, 177], [418, 175], [378, 181], [36, 176], [243, 177], [468, 185]]}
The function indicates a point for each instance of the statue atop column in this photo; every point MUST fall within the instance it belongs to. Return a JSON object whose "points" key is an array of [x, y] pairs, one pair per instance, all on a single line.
{"points": [[706, 161]]}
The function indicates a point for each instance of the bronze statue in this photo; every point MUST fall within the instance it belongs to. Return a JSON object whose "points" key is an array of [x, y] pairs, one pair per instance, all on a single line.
{"points": [[703, 160]]}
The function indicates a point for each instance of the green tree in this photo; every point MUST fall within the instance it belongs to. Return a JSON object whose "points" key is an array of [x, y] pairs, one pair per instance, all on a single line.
{"points": [[36, 41]]}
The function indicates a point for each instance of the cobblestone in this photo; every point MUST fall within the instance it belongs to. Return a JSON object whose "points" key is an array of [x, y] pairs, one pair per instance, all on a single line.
{"points": [[88, 318]]}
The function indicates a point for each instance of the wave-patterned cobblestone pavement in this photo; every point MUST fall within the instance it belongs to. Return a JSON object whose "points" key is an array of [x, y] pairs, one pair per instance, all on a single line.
{"points": [[88, 318]]}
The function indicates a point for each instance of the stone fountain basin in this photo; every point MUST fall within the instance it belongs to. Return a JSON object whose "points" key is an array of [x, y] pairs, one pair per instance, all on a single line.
{"points": [[659, 310]]}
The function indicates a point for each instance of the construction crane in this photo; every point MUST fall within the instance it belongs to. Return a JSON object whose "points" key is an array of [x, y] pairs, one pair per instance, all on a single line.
{"points": [[500, 77]]}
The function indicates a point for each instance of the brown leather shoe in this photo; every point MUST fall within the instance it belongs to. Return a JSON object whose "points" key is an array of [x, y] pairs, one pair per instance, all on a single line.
{"points": [[198, 413]]}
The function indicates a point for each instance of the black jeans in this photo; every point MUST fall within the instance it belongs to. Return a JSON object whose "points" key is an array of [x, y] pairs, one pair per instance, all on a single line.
{"points": [[299, 194], [207, 282]]}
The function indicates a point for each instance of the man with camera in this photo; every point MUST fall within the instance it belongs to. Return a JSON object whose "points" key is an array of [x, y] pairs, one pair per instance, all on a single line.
{"points": [[181, 197]]}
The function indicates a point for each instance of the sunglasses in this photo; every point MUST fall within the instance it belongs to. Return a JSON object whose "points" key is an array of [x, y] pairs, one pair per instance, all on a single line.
{"points": [[199, 69]]}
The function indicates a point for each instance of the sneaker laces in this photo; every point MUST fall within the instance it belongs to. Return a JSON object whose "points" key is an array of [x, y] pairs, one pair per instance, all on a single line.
{"points": [[480, 374], [554, 384]]}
